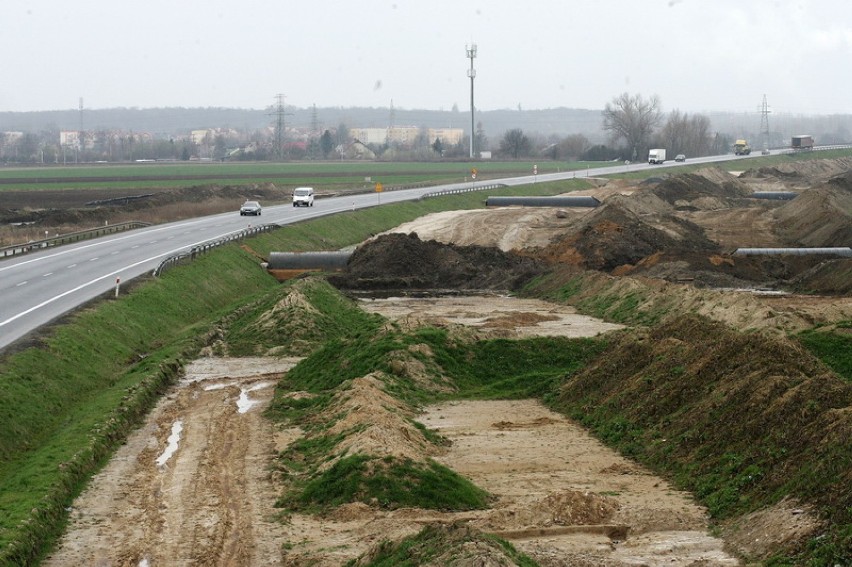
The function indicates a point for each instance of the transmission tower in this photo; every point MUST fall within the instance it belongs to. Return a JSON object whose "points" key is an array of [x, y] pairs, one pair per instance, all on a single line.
{"points": [[764, 123], [315, 126], [279, 114]]}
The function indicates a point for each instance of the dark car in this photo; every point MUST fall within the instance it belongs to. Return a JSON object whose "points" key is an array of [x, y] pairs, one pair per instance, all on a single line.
{"points": [[680, 157], [250, 208]]}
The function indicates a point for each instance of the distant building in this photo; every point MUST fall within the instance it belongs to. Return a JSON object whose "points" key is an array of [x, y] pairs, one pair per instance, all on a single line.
{"points": [[406, 135], [448, 136], [69, 138]]}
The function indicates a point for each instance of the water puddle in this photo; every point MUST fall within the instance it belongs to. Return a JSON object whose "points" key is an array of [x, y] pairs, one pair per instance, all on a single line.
{"points": [[172, 446]]}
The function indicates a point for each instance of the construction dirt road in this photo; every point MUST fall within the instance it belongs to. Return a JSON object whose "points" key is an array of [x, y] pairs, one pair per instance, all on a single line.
{"points": [[194, 485]]}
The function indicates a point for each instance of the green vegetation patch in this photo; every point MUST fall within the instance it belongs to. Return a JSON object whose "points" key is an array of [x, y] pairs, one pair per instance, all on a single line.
{"points": [[438, 544], [595, 294], [387, 482], [833, 346], [514, 369]]}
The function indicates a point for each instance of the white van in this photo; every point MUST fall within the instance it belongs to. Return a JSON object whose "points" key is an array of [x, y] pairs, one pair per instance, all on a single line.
{"points": [[303, 197]]}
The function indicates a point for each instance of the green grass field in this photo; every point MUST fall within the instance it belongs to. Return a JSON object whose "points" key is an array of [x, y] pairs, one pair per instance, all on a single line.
{"points": [[316, 174]]}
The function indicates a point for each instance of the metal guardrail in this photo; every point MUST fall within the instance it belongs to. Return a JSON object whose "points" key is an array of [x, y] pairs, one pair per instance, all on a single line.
{"points": [[69, 237], [204, 247], [463, 190]]}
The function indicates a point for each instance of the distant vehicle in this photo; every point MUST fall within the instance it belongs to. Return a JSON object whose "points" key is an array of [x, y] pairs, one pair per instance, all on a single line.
{"points": [[765, 152], [303, 197], [250, 208], [741, 148], [657, 155], [680, 157], [802, 142]]}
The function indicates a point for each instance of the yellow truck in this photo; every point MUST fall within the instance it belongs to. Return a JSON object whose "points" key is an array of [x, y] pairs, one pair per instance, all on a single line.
{"points": [[741, 148]]}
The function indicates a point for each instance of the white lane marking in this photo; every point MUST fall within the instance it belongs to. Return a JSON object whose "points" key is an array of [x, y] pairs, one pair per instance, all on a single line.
{"points": [[109, 275], [22, 283], [47, 274], [93, 259], [71, 266], [147, 232]]}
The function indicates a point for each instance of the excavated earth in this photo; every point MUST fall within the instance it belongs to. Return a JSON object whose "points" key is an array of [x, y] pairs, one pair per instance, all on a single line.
{"points": [[194, 485]]}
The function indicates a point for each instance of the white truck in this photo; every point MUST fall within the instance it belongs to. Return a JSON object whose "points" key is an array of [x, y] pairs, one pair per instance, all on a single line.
{"points": [[657, 155]]}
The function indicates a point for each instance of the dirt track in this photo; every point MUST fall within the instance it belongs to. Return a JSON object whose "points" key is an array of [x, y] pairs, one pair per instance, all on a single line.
{"points": [[210, 502]]}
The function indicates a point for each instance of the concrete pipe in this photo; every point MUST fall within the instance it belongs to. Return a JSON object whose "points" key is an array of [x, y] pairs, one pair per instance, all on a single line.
{"points": [[775, 195], [832, 251], [576, 201]]}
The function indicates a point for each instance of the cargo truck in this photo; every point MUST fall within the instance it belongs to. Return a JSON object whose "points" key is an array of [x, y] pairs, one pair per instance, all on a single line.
{"points": [[802, 142], [657, 155], [741, 148]]}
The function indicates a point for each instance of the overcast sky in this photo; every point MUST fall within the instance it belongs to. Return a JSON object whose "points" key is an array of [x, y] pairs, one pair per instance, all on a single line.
{"points": [[697, 55]]}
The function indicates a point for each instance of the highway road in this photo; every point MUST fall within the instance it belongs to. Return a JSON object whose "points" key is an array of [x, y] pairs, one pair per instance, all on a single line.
{"points": [[41, 286]]}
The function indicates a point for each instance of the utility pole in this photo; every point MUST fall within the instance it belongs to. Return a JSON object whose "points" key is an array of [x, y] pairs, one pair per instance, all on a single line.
{"points": [[80, 134], [471, 54], [764, 124]]}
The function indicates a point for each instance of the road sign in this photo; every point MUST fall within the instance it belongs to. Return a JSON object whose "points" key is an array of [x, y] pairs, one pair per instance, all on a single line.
{"points": [[378, 187]]}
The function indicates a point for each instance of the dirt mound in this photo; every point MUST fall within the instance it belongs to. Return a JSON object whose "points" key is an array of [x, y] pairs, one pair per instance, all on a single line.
{"points": [[710, 270], [453, 545], [650, 299], [721, 177], [819, 217], [614, 236], [398, 261], [804, 171], [563, 508], [373, 423], [773, 394], [695, 191], [828, 277]]}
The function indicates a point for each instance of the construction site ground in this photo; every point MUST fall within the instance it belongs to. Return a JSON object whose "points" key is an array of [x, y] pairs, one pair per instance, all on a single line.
{"points": [[206, 497]]}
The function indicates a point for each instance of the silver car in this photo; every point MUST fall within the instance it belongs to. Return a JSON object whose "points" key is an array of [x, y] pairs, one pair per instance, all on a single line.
{"points": [[250, 208]]}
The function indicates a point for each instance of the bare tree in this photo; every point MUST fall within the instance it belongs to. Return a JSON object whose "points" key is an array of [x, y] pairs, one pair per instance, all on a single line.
{"points": [[687, 135], [632, 118], [515, 143]]}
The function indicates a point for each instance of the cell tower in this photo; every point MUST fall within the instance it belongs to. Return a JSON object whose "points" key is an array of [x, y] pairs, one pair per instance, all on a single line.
{"points": [[764, 123]]}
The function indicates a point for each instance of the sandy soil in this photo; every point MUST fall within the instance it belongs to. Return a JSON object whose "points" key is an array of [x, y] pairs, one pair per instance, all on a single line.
{"points": [[192, 486]]}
